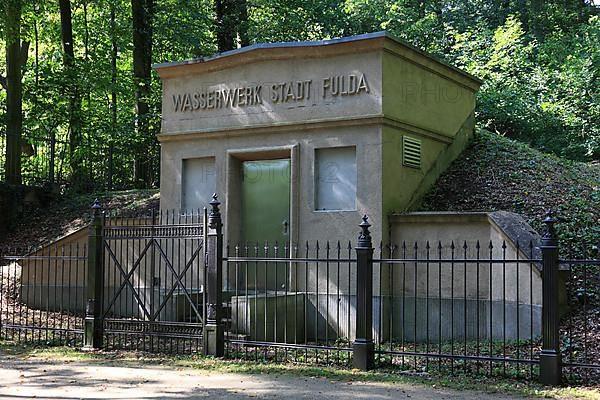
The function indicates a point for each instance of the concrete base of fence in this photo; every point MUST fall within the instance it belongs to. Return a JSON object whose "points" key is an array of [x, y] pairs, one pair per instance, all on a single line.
{"points": [[270, 317], [433, 320], [298, 317], [550, 368], [363, 355], [214, 340]]}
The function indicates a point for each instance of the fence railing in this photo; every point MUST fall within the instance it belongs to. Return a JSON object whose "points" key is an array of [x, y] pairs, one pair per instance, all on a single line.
{"points": [[168, 283], [46, 160], [469, 306], [499, 308], [42, 294]]}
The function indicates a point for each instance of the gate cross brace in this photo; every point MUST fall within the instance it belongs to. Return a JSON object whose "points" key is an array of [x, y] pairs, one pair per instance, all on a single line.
{"points": [[178, 283], [127, 278]]}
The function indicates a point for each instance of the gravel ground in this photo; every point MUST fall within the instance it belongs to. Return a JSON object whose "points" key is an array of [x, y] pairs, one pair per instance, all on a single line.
{"points": [[27, 378]]}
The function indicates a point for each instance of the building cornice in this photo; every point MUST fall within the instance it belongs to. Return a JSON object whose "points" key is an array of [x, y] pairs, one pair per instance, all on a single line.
{"points": [[369, 42], [278, 127]]}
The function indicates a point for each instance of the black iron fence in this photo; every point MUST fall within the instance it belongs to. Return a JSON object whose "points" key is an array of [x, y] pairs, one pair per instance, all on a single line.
{"points": [[470, 306], [293, 303], [45, 160], [168, 283], [495, 308], [42, 294], [459, 306]]}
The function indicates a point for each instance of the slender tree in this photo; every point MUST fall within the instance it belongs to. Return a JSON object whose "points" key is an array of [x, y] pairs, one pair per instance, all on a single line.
{"points": [[242, 13], [231, 23], [143, 13], [16, 58], [114, 52], [66, 25]]}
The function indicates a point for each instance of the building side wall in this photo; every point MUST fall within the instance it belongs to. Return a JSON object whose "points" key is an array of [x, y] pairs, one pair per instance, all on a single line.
{"points": [[423, 98]]}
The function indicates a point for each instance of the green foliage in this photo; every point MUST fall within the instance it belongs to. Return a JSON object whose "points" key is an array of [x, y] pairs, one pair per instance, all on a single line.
{"points": [[542, 94]]}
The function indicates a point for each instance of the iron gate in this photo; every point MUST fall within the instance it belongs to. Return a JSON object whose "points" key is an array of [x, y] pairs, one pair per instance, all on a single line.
{"points": [[153, 282]]}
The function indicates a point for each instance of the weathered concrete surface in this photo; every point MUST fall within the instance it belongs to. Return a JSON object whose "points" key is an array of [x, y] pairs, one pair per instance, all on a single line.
{"points": [[52, 380]]}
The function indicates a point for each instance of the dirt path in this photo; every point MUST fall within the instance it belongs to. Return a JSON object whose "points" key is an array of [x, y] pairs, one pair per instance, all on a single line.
{"points": [[55, 379]]}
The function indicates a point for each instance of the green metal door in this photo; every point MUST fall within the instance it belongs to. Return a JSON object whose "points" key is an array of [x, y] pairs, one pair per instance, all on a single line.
{"points": [[265, 219], [266, 202]]}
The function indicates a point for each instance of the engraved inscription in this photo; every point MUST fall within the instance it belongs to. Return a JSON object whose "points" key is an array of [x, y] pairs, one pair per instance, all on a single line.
{"points": [[296, 91]]}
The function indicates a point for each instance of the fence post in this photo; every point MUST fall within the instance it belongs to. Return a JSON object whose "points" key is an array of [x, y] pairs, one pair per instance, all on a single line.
{"points": [[363, 346], [93, 330], [550, 358], [213, 338]]}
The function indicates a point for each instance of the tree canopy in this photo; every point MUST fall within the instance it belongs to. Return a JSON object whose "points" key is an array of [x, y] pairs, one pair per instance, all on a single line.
{"points": [[91, 104]]}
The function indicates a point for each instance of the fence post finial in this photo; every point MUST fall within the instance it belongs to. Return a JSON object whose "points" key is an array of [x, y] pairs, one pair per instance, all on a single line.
{"points": [[364, 237], [550, 356], [96, 206], [550, 221], [214, 218]]}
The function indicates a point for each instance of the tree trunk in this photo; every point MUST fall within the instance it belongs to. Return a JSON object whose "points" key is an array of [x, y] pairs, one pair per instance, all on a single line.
{"points": [[142, 12], [224, 26], [66, 29], [243, 22], [14, 91], [231, 23], [537, 20], [503, 12], [37, 50], [522, 6], [113, 91], [437, 8]]}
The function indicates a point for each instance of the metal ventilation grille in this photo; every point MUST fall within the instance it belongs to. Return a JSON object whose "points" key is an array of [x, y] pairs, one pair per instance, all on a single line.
{"points": [[412, 152]]}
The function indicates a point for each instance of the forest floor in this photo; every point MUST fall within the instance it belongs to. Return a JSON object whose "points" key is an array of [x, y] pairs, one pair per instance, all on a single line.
{"points": [[66, 373], [71, 212]]}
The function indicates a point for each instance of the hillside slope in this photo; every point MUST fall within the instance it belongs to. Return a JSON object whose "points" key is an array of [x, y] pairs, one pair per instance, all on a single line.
{"points": [[495, 173], [69, 213]]}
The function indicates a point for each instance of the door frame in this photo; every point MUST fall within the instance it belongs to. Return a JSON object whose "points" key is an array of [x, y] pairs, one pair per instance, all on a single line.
{"points": [[233, 183]]}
